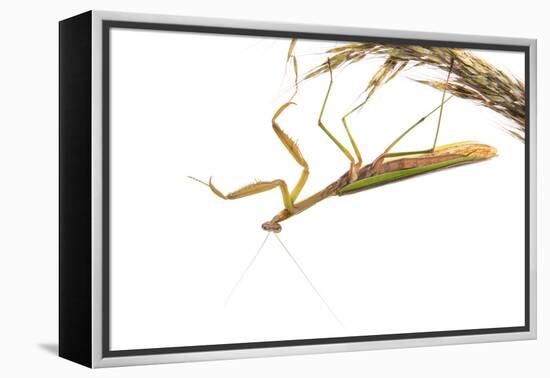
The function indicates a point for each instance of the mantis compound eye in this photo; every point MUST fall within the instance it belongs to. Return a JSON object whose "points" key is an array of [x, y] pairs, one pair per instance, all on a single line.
{"points": [[272, 227]]}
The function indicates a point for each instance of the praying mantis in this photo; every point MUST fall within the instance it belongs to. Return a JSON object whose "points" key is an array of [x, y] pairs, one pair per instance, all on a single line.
{"points": [[387, 167]]}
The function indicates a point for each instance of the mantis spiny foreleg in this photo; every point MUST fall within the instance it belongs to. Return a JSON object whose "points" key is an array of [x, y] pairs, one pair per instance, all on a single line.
{"points": [[294, 151], [292, 148], [250, 189], [290, 145]]}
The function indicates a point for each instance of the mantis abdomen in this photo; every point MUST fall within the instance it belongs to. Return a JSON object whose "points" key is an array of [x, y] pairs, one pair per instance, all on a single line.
{"points": [[411, 165]]}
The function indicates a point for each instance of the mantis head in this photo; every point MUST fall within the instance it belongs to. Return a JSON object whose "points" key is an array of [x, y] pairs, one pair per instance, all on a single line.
{"points": [[272, 226]]}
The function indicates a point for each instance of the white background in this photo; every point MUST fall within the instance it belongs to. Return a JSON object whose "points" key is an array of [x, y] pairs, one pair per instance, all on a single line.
{"points": [[439, 252], [29, 191]]}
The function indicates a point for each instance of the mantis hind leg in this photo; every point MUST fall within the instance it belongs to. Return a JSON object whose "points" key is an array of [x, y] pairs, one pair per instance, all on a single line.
{"points": [[387, 154]]}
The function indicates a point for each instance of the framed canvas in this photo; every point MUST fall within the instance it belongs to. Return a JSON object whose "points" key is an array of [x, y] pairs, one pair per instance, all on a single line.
{"points": [[240, 189]]}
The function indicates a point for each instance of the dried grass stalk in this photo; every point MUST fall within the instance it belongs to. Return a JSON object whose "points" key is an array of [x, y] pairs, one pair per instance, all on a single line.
{"points": [[472, 77]]}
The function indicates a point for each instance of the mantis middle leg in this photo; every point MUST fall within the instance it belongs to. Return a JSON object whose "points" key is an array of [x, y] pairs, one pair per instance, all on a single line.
{"points": [[354, 166]]}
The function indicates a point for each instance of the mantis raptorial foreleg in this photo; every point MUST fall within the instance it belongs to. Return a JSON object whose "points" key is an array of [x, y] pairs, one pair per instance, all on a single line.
{"points": [[294, 151], [251, 189], [261, 186], [289, 144]]}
